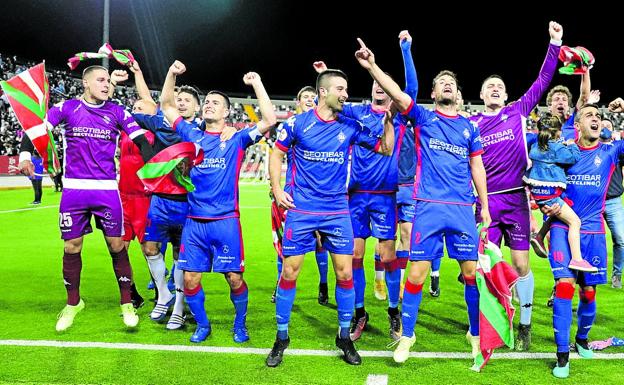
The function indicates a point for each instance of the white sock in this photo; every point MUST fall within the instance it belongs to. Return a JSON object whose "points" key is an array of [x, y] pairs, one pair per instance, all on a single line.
{"points": [[156, 264], [435, 273], [178, 279], [379, 275]]}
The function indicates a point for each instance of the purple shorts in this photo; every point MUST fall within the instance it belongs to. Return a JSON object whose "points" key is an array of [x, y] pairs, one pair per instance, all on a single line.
{"points": [[510, 219], [76, 209]]}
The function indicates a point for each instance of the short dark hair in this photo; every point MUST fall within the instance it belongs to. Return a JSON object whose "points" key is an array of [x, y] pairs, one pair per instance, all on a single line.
{"points": [[223, 95], [493, 76], [305, 89], [191, 91], [577, 116], [323, 77], [444, 73], [90, 69]]}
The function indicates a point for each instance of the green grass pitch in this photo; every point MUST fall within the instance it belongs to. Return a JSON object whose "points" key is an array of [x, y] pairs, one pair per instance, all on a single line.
{"points": [[32, 294]]}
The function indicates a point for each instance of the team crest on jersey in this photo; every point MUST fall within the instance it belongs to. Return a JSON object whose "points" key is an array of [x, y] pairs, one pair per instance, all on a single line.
{"points": [[341, 137], [504, 117], [282, 135], [222, 146], [597, 161], [466, 133]]}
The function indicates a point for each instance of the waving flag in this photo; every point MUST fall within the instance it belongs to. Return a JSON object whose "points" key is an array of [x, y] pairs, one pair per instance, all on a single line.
{"points": [[123, 56], [576, 61], [495, 278], [167, 172], [28, 95]]}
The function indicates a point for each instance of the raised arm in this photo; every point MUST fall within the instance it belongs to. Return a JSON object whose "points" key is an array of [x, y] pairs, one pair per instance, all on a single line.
{"points": [[411, 81], [585, 90], [116, 77], [366, 58], [167, 97], [264, 102], [387, 138], [139, 81]]}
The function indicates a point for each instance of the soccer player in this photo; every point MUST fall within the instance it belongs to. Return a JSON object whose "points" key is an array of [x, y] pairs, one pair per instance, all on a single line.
{"points": [[305, 102], [212, 238], [92, 128], [320, 141], [449, 159], [505, 161], [587, 188]]}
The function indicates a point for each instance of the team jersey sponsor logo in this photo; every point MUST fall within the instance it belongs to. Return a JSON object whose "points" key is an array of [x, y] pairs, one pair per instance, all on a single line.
{"points": [[90, 132], [498, 137], [585, 180], [309, 127], [213, 163], [226, 249], [437, 144], [324, 156]]}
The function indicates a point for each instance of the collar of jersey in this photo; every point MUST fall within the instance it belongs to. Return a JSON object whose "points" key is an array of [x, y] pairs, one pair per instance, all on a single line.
{"points": [[93, 105], [321, 119]]}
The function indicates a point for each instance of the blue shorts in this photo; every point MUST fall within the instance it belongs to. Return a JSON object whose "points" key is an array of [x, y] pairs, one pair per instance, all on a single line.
{"points": [[165, 220], [373, 214], [212, 245], [406, 203], [593, 250], [455, 223], [299, 237]]}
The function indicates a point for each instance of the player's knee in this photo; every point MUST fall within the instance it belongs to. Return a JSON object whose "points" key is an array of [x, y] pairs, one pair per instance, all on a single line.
{"points": [[115, 244], [235, 280], [344, 274], [150, 249], [191, 280], [73, 246]]}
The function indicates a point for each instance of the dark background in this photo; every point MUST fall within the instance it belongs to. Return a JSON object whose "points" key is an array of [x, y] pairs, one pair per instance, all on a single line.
{"points": [[220, 40]]}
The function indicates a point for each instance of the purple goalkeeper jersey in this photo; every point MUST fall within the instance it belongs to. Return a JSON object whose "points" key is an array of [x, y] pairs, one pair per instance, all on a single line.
{"points": [[320, 151], [370, 171], [90, 136], [503, 133], [588, 182]]}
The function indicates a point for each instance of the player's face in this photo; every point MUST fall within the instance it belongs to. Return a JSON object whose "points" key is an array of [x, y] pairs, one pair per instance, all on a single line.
{"points": [[559, 105], [143, 107], [378, 94], [589, 123], [493, 93], [215, 108], [607, 124], [306, 101], [445, 90], [97, 84], [187, 105], [336, 93]]}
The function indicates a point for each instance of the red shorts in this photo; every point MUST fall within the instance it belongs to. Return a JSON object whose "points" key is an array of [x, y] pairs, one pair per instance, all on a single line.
{"points": [[135, 208]]}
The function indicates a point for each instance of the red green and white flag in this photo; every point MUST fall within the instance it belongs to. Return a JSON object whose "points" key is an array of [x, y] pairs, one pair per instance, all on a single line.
{"points": [[168, 171], [28, 95], [576, 60], [495, 278]]}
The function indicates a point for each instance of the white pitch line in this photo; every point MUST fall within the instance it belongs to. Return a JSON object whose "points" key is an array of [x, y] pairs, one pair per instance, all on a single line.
{"points": [[27, 209], [47, 207], [377, 379], [290, 352]]}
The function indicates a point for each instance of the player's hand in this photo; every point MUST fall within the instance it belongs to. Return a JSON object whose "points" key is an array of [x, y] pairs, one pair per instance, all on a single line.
{"points": [[555, 30], [252, 79], [134, 67], [227, 133], [364, 56], [319, 66], [405, 39], [283, 199], [486, 219], [617, 105], [27, 168], [594, 97], [118, 76], [177, 68], [551, 211]]}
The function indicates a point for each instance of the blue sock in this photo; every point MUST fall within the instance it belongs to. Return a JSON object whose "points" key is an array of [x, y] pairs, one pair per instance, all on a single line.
{"points": [[393, 283], [321, 262], [279, 267], [411, 303], [239, 298], [345, 302], [524, 288], [284, 300], [586, 313], [435, 266], [195, 300], [471, 296], [562, 315], [359, 282]]}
